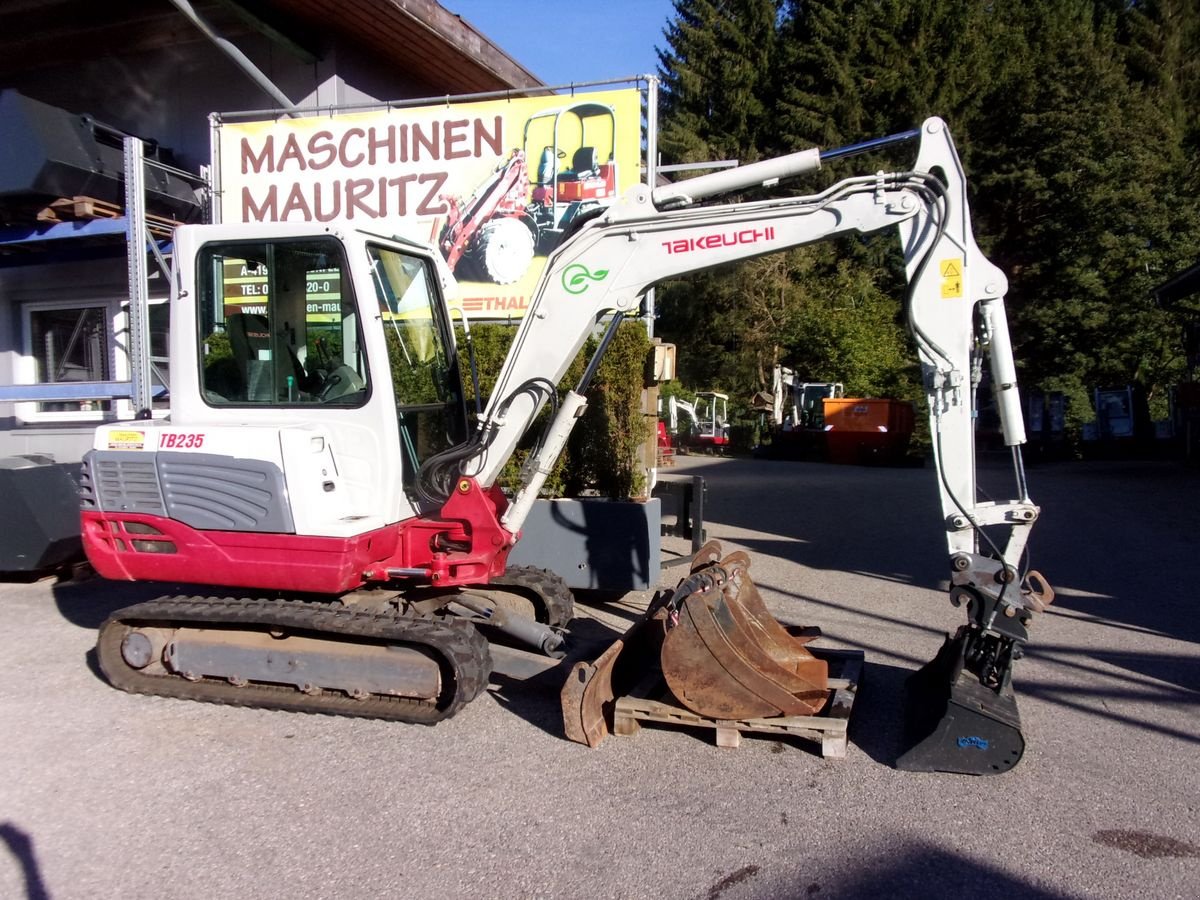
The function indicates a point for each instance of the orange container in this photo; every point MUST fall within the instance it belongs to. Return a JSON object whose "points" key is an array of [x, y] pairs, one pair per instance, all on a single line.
{"points": [[859, 430]]}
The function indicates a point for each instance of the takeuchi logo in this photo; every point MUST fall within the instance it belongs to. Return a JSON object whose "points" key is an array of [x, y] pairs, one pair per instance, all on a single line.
{"points": [[577, 278], [724, 239]]}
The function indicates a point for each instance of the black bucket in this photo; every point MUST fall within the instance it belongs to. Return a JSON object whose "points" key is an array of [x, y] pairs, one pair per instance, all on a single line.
{"points": [[956, 724]]}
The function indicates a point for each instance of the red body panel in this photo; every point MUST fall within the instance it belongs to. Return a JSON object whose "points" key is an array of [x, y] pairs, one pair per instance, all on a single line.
{"points": [[597, 187], [135, 547]]}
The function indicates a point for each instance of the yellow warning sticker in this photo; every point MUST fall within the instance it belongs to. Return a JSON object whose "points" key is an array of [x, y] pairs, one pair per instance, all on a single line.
{"points": [[126, 440], [952, 278]]}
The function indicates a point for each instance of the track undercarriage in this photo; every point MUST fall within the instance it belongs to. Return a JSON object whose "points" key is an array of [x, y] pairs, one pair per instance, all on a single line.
{"points": [[410, 660]]}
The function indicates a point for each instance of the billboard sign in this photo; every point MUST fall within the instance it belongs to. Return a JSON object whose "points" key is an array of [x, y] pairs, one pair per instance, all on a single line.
{"points": [[493, 184]]}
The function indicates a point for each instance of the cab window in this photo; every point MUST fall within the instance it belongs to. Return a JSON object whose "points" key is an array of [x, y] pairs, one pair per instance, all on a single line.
{"points": [[278, 325], [424, 370]]}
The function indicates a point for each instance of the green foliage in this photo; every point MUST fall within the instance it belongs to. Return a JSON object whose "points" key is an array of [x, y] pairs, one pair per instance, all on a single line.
{"points": [[852, 334], [716, 85], [602, 454], [414, 380], [217, 348], [604, 446]]}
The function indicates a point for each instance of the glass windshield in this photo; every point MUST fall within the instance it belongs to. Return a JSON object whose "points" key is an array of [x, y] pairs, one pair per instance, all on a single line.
{"points": [[278, 325]]}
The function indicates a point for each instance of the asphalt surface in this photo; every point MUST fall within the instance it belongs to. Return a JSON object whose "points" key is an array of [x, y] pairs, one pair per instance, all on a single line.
{"points": [[105, 794]]}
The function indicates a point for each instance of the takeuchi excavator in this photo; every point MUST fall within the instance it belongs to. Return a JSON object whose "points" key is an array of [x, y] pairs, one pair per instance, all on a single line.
{"points": [[318, 471], [706, 424]]}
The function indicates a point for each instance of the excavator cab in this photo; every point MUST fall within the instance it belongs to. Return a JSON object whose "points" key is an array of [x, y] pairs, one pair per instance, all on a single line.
{"points": [[313, 375]]}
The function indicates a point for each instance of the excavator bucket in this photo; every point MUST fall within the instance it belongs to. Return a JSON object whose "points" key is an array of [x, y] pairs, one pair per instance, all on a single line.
{"points": [[591, 689], [955, 722], [721, 653], [728, 658]]}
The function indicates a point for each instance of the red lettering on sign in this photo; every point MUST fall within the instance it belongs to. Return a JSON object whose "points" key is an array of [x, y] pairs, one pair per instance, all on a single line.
{"points": [[495, 304]]}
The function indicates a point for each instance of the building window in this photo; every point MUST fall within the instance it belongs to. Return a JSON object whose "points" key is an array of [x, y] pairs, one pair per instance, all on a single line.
{"points": [[86, 342], [69, 344]]}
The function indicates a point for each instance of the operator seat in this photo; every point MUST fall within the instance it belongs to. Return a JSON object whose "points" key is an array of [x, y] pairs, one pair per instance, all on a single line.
{"points": [[584, 164], [250, 378], [547, 167]]}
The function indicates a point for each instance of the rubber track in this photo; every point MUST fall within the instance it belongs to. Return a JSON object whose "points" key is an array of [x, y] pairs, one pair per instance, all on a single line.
{"points": [[556, 597], [466, 660]]}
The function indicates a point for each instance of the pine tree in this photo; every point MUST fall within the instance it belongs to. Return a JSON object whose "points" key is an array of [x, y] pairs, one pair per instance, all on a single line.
{"points": [[853, 70], [1080, 186], [1078, 122], [716, 80]]}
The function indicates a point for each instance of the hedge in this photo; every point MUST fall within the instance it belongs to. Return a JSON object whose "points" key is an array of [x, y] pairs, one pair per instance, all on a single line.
{"points": [[602, 456]]}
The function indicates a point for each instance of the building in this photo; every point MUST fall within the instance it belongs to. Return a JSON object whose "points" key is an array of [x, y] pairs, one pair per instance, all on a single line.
{"points": [[77, 79]]}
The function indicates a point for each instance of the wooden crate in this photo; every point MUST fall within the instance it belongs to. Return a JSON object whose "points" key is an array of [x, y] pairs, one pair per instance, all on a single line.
{"points": [[651, 701]]}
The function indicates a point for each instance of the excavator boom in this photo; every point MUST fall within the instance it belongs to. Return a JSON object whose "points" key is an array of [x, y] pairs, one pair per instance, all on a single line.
{"points": [[955, 310]]}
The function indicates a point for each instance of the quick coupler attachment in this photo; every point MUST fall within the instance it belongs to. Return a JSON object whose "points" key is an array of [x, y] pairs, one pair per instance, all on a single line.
{"points": [[957, 724]]}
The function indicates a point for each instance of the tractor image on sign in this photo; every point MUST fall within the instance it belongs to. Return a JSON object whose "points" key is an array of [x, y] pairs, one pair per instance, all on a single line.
{"points": [[494, 234]]}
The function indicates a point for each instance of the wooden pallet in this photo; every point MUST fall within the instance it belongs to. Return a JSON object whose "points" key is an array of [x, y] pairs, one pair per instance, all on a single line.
{"points": [[652, 701], [74, 209]]}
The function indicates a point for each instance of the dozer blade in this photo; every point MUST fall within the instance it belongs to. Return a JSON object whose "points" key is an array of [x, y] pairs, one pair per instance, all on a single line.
{"points": [[956, 724], [722, 654]]}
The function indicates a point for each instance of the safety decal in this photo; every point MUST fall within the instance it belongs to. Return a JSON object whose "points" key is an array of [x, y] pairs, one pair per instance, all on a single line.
{"points": [[126, 440], [952, 278]]}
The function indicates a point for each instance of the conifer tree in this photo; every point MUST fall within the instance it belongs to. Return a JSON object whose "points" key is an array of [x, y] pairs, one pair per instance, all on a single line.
{"points": [[1081, 186], [1078, 125], [716, 80]]}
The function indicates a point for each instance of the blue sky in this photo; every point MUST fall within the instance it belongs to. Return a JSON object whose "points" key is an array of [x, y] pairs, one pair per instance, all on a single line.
{"points": [[562, 43]]}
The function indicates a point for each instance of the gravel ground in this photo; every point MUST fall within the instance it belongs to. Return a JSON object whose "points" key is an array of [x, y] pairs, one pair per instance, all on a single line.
{"points": [[106, 794]]}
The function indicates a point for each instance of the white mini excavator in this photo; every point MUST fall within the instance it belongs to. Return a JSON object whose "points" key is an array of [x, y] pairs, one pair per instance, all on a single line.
{"points": [[317, 465]]}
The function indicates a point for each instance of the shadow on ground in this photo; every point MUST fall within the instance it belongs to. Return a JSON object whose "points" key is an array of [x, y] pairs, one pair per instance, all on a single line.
{"points": [[907, 869]]}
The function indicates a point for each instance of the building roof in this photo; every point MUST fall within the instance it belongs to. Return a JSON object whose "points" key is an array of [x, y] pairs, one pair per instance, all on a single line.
{"points": [[419, 36]]}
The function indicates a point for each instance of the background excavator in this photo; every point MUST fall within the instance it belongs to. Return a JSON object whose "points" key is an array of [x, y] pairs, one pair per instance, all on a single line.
{"points": [[817, 420], [704, 426], [797, 403], [796, 410], [322, 475]]}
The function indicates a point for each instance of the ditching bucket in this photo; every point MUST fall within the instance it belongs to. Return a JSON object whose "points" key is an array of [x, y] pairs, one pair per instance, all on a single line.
{"points": [[956, 724], [589, 694], [721, 652]]}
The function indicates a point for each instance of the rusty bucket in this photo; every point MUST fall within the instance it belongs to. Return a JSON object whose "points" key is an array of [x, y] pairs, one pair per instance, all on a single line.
{"points": [[724, 656]]}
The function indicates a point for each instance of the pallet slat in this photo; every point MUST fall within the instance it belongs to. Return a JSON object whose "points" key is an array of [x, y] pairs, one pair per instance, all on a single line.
{"points": [[648, 703]]}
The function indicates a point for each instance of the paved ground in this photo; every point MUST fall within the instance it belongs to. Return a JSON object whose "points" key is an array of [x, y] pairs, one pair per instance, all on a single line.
{"points": [[110, 795]]}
